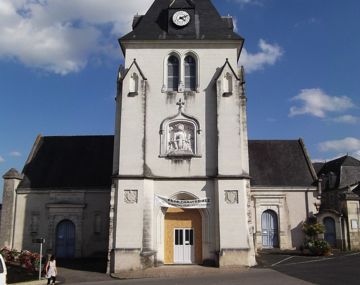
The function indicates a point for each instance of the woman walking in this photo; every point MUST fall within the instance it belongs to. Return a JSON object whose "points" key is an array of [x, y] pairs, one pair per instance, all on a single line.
{"points": [[50, 270]]}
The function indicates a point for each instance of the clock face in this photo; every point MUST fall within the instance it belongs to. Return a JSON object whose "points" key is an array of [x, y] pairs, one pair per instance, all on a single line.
{"points": [[181, 18]]}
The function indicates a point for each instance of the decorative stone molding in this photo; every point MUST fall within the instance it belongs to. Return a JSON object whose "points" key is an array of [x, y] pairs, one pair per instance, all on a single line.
{"points": [[277, 204], [232, 196], [180, 136], [249, 206], [131, 196]]}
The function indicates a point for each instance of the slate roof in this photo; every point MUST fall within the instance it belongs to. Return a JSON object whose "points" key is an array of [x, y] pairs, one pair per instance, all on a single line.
{"points": [[342, 172], [70, 162], [154, 24], [12, 174], [318, 166], [85, 162], [280, 163]]}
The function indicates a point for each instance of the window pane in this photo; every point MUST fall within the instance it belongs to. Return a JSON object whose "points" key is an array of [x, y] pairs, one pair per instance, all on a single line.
{"points": [[173, 70], [181, 237], [190, 73], [192, 83], [191, 237], [173, 73], [176, 237], [173, 83]]}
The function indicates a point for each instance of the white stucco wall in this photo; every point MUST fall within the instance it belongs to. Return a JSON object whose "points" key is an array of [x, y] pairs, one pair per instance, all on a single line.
{"points": [[159, 106], [292, 205]]}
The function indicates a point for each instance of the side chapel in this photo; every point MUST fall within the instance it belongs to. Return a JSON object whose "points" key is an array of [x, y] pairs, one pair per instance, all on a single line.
{"points": [[179, 182]]}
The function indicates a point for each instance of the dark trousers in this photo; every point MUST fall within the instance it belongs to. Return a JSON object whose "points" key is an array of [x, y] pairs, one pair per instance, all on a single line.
{"points": [[53, 278]]}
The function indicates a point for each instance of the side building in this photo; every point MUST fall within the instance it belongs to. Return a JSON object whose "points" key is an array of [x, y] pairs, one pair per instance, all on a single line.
{"points": [[62, 195], [340, 208]]}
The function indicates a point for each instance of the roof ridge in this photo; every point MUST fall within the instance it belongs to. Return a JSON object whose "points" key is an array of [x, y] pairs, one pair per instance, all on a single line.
{"points": [[77, 136], [274, 140]]}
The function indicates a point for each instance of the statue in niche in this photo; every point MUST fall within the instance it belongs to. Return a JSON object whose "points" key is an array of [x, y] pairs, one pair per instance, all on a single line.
{"points": [[181, 140]]}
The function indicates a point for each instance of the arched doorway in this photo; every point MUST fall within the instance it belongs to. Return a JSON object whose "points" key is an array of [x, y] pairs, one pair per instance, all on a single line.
{"points": [[269, 229], [183, 236], [330, 231], [65, 239]]}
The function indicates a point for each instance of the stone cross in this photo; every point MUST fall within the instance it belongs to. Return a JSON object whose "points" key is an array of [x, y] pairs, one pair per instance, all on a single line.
{"points": [[180, 104]]}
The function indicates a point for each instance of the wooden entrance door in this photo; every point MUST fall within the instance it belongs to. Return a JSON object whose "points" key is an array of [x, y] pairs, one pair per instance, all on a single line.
{"points": [[269, 229], [65, 239]]}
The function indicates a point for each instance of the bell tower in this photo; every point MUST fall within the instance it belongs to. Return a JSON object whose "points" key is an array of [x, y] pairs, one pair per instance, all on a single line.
{"points": [[181, 145]]}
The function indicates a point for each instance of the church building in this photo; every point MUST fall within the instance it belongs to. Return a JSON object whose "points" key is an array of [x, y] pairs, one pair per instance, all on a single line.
{"points": [[179, 182]]}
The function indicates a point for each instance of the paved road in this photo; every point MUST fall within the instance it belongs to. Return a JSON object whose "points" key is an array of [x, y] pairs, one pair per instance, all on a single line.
{"points": [[333, 270], [250, 277], [274, 269]]}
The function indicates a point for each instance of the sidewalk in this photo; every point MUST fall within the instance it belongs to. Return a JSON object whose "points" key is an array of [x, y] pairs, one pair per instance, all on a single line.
{"points": [[36, 282], [170, 271], [173, 271]]}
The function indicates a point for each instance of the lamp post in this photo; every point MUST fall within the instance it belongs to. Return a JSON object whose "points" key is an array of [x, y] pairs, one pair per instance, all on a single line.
{"points": [[41, 241], [317, 206]]}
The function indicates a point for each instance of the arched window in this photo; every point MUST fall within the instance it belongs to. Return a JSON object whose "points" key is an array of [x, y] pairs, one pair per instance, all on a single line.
{"points": [[173, 73], [190, 73]]}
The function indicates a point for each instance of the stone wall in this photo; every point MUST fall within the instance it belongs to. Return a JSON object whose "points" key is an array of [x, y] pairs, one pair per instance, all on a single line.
{"points": [[39, 213]]}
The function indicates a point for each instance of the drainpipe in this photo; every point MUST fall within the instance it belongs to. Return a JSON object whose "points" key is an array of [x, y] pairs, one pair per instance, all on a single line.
{"points": [[319, 188], [341, 232]]}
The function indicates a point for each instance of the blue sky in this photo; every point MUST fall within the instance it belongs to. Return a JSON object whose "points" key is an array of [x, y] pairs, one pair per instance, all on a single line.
{"points": [[59, 59]]}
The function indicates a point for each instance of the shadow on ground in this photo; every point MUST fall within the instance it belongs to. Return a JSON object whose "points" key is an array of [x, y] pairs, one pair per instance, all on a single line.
{"points": [[84, 264], [19, 274], [328, 270]]}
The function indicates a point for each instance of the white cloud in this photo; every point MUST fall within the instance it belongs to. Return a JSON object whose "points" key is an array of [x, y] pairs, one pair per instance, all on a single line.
{"points": [[2, 159], [309, 21], [245, 2], [15, 154], [347, 119], [269, 54], [346, 145], [61, 36], [357, 154], [317, 103]]}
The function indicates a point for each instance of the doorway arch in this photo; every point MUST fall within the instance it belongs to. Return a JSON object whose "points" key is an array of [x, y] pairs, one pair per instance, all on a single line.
{"points": [[269, 229], [330, 231], [65, 239]]}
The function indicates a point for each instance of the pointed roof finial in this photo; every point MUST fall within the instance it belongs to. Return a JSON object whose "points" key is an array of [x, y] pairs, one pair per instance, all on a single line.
{"points": [[242, 74]]}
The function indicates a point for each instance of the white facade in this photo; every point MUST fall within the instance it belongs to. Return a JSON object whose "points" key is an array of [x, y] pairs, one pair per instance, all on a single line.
{"points": [[218, 169]]}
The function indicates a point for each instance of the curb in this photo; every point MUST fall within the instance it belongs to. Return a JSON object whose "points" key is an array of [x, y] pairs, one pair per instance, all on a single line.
{"points": [[172, 272], [34, 282]]}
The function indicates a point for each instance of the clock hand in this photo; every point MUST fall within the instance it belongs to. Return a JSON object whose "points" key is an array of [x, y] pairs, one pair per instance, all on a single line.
{"points": [[183, 17]]}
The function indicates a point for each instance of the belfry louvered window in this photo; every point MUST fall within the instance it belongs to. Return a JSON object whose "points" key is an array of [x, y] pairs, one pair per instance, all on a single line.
{"points": [[173, 73], [190, 73]]}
